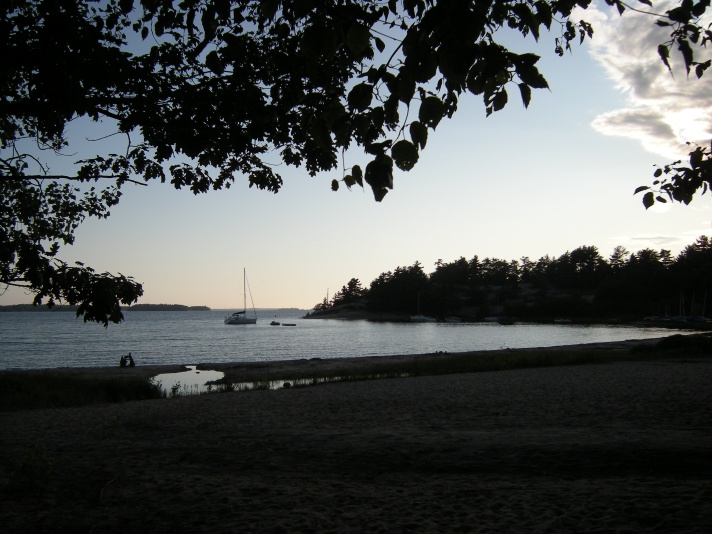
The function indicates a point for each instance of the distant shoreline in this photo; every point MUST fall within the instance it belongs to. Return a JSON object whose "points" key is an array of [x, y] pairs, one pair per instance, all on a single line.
{"points": [[364, 315], [135, 307]]}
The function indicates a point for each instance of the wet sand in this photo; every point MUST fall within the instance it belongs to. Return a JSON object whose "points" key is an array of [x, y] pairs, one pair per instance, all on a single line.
{"points": [[623, 447]]}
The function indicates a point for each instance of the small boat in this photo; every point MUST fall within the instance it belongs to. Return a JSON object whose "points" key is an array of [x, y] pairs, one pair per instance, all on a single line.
{"points": [[274, 323], [289, 324], [240, 317]]}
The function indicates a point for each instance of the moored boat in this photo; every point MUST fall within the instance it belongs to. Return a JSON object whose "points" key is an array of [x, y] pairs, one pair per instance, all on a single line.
{"points": [[240, 317]]}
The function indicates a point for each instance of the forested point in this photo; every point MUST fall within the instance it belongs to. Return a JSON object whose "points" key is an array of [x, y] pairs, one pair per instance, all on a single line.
{"points": [[580, 284]]}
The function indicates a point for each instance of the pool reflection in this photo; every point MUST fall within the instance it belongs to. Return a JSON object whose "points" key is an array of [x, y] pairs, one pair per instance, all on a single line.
{"points": [[190, 382]]}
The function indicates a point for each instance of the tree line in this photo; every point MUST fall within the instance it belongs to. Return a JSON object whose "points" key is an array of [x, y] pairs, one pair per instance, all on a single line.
{"points": [[579, 284]]}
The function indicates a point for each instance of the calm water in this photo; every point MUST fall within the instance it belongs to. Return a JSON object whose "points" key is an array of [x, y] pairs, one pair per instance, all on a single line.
{"points": [[31, 340]]}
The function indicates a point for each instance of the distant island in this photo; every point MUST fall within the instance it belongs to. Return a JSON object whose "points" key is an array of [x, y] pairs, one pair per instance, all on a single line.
{"points": [[166, 307], [135, 307]]}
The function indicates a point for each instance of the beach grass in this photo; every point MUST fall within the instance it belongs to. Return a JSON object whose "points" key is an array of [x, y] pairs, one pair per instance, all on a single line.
{"points": [[22, 390], [676, 346], [465, 363]]}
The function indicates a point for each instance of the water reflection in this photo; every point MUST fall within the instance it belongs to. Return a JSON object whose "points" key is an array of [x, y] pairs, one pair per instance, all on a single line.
{"points": [[190, 382], [194, 382]]}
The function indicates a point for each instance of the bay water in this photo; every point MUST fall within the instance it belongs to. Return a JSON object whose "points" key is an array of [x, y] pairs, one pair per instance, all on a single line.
{"points": [[35, 340]]}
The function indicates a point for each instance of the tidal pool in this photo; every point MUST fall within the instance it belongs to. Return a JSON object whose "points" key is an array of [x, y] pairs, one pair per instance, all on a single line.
{"points": [[190, 382]]}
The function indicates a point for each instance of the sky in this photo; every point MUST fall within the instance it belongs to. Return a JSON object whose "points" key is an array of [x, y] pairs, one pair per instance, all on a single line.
{"points": [[521, 182]]}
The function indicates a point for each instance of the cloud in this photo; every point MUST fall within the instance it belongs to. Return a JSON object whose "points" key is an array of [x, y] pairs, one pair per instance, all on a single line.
{"points": [[673, 243], [664, 111], [656, 241]]}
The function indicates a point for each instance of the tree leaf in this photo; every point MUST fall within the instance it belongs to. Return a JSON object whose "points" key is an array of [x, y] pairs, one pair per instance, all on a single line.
{"points": [[406, 87], [702, 67], [126, 6], [379, 175], [431, 112], [641, 188], [360, 96], [378, 149], [358, 38], [418, 134], [531, 76], [214, 63], [526, 93], [357, 174], [334, 185], [696, 157], [684, 47], [648, 199], [405, 155], [499, 100], [664, 53], [679, 14], [700, 7]]}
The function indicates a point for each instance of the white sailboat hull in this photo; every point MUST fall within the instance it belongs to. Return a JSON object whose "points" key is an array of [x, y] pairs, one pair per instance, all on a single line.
{"points": [[237, 318]]}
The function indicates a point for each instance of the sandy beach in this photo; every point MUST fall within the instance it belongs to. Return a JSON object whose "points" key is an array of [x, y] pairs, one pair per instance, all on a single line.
{"points": [[624, 447]]}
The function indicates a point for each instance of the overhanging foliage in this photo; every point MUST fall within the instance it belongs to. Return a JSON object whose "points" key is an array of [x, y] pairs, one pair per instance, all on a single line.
{"points": [[208, 91]]}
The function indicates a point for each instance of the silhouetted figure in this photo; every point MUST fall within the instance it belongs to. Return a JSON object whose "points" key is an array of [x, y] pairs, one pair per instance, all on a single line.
{"points": [[131, 360], [122, 361]]}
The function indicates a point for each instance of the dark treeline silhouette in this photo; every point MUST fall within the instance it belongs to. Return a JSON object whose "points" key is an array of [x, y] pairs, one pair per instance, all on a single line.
{"points": [[579, 284]]}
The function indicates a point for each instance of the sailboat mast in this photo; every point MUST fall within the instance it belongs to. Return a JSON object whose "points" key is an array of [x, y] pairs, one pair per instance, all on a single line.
{"points": [[244, 290]]}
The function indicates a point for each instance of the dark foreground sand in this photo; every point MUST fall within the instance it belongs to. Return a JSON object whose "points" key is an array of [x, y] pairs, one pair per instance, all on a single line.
{"points": [[623, 447]]}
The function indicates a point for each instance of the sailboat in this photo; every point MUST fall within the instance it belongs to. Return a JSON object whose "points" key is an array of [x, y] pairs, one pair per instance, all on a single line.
{"points": [[421, 318], [240, 317]]}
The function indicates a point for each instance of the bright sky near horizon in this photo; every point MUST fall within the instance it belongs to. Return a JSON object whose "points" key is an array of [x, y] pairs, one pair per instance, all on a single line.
{"points": [[533, 182]]}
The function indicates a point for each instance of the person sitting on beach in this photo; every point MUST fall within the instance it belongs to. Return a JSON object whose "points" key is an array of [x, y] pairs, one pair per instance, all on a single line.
{"points": [[131, 360], [122, 361]]}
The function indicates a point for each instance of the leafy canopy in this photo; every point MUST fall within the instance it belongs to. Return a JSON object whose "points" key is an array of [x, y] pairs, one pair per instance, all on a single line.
{"points": [[207, 91]]}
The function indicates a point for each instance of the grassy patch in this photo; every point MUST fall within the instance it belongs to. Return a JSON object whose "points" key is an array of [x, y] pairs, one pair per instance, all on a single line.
{"points": [[477, 362], [20, 390], [444, 364]]}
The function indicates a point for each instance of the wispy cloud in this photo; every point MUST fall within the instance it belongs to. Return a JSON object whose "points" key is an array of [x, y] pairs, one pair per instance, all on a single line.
{"points": [[674, 243], [664, 111]]}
